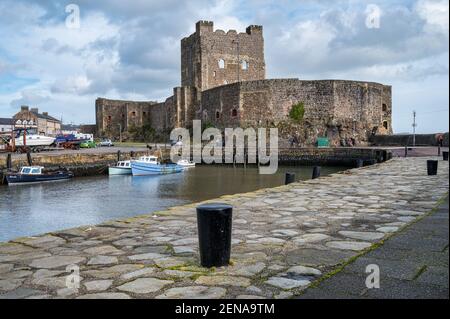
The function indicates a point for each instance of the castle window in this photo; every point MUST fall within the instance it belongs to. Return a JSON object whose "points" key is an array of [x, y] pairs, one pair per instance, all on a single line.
{"points": [[109, 118], [244, 65], [133, 113], [221, 63], [384, 107], [144, 113], [385, 125], [217, 115], [234, 113]]}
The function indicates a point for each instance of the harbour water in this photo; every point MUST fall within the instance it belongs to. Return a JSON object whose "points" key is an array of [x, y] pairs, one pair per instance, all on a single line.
{"points": [[35, 209]]}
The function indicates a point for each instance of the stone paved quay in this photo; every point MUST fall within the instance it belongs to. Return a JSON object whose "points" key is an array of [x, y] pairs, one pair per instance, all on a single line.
{"points": [[413, 265], [284, 240]]}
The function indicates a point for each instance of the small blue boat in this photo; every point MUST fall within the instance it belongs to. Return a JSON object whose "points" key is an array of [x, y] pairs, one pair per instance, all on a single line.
{"points": [[149, 165]]}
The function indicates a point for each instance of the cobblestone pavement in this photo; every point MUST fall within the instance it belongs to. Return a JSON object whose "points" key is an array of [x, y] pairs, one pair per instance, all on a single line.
{"points": [[413, 264], [284, 239]]}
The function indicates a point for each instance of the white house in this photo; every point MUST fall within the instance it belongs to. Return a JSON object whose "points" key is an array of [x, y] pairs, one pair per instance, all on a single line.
{"points": [[6, 125]]}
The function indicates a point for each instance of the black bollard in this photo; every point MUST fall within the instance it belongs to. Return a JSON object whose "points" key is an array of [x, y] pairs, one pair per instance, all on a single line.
{"points": [[29, 160], [118, 155], [445, 156], [289, 178], [359, 163], [439, 150], [385, 155], [214, 223], [432, 167], [406, 151], [378, 156], [389, 155], [316, 172]]}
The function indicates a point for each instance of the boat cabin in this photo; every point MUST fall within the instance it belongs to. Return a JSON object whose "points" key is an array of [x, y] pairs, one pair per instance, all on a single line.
{"points": [[124, 164], [31, 170], [149, 159]]}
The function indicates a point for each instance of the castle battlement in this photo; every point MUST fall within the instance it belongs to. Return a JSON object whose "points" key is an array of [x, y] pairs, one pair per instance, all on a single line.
{"points": [[213, 58]]}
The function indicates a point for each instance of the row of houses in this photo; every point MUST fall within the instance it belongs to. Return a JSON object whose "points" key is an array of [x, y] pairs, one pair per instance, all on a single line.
{"points": [[30, 118], [41, 123]]}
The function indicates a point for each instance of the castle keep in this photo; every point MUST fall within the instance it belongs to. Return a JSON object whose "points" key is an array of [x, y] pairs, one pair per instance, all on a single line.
{"points": [[223, 83]]}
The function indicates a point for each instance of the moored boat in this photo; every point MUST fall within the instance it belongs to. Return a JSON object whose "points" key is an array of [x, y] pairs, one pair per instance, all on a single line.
{"points": [[34, 140], [149, 165], [185, 163], [36, 174], [121, 168]]}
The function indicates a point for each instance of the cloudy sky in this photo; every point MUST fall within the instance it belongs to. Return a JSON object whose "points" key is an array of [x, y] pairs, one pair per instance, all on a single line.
{"points": [[130, 50]]}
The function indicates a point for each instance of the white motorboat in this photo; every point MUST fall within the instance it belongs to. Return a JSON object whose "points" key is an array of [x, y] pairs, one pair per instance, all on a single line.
{"points": [[34, 140], [186, 163], [121, 168]]}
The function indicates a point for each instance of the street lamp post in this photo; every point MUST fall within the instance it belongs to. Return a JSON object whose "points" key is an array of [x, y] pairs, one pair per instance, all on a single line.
{"points": [[414, 125]]}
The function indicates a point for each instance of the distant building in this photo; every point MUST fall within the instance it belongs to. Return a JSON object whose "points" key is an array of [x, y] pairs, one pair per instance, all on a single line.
{"points": [[77, 129], [6, 125], [42, 122]]}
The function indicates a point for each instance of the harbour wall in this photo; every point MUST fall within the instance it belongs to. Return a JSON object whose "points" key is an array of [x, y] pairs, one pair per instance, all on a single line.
{"points": [[91, 164], [407, 139], [81, 164]]}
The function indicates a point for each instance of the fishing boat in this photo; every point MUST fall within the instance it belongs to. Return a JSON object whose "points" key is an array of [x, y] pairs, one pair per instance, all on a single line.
{"points": [[36, 174], [121, 168], [149, 165], [186, 163]]}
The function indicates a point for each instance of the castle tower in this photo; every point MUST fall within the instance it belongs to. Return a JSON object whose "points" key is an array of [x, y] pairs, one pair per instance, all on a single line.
{"points": [[213, 58]]}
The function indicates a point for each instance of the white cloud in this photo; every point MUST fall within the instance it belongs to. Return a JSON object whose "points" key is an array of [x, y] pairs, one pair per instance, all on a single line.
{"points": [[436, 13], [72, 84]]}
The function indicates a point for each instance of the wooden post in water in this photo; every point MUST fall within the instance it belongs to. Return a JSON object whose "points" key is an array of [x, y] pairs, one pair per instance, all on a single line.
{"points": [[118, 156], [29, 159], [9, 161]]}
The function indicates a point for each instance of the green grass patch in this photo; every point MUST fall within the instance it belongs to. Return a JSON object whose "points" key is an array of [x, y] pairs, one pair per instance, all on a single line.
{"points": [[297, 112]]}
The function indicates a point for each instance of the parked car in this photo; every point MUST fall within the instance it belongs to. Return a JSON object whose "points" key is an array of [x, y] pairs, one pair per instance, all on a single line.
{"points": [[88, 144], [107, 143]]}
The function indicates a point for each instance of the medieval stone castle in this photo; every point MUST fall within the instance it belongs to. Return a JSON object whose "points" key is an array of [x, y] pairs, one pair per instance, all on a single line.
{"points": [[223, 83]]}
